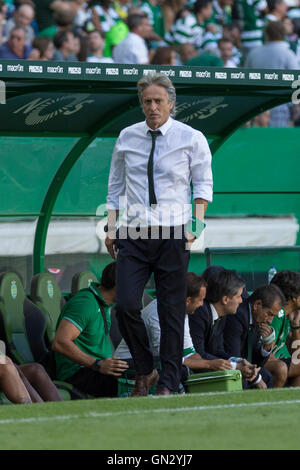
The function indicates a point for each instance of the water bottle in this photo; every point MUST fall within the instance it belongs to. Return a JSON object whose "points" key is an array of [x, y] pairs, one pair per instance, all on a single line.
{"points": [[271, 273]]}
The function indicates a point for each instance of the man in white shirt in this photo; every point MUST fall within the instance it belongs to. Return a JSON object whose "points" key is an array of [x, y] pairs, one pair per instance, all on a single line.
{"points": [[155, 225], [133, 49], [196, 291]]}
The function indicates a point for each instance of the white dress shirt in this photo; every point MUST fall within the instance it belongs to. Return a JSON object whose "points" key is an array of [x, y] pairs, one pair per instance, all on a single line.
{"points": [[132, 50], [182, 156], [151, 320]]}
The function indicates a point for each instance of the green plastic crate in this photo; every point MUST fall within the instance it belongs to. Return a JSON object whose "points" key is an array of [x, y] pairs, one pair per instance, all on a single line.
{"points": [[217, 381], [126, 385]]}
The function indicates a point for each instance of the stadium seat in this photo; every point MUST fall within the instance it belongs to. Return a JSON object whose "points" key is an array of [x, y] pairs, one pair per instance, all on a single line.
{"points": [[23, 327], [18, 317], [82, 280], [46, 295]]}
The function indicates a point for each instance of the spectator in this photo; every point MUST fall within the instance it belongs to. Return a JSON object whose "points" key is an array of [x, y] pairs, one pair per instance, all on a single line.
{"points": [[248, 334], [45, 47], [22, 17], [3, 19], [226, 52], [251, 17], [16, 47], [65, 46], [116, 34], [133, 49], [172, 10], [187, 51], [107, 15], [223, 296], [232, 32], [287, 323], [164, 56], [82, 346], [45, 10], [275, 54], [153, 10], [277, 10], [262, 120], [191, 28], [95, 48]]}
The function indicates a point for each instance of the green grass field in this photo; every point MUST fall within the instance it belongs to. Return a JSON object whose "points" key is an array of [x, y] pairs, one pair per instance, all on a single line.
{"points": [[254, 419]]}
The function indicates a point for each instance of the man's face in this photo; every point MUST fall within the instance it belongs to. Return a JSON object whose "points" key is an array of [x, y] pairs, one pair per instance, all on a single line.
{"points": [[17, 40], [95, 41], [265, 314], [156, 106], [231, 303], [145, 29], [296, 302], [192, 303], [207, 11], [24, 16], [225, 50]]}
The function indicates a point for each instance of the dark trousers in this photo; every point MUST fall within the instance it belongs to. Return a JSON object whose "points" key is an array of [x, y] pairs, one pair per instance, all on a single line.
{"points": [[136, 261]]}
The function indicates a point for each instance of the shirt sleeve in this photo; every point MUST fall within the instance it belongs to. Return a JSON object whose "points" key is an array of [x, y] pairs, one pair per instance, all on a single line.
{"points": [[116, 180], [150, 317], [78, 311], [188, 347], [201, 169]]}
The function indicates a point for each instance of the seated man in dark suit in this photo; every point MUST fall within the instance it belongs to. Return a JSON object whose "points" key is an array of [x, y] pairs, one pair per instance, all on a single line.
{"points": [[223, 296], [248, 333]]}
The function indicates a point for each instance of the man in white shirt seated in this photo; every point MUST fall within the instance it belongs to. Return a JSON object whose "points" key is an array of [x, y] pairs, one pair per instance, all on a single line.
{"points": [[95, 48], [195, 295], [133, 49]]}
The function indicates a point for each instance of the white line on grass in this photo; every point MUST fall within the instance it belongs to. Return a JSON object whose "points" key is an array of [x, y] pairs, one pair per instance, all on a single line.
{"points": [[94, 414]]}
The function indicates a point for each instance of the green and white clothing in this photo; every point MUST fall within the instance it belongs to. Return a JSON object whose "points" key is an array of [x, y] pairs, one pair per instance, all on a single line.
{"points": [[282, 327], [84, 312], [155, 17], [250, 13], [107, 18], [188, 30], [151, 320], [220, 16]]}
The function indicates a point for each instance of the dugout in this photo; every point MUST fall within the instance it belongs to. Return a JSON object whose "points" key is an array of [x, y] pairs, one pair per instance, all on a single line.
{"points": [[58, 125]]}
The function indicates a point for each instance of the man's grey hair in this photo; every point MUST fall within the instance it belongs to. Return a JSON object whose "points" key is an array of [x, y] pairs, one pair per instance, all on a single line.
{"points": [[159, 79]]}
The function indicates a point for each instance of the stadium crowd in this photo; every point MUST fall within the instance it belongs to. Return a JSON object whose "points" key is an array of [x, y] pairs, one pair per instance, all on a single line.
{"points": [[223, 33]]}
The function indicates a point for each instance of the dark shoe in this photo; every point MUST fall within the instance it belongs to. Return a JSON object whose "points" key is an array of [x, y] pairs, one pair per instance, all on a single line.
{"points": [[163, 391], [143, 384]]}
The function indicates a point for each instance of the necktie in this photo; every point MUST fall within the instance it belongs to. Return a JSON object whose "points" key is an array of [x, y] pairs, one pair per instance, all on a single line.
{"points": [[152, 197], [251, 334]]}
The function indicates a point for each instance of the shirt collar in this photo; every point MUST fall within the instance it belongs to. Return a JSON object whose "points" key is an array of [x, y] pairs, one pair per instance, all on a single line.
{"points": [[214, 312], [163, 129], [97, 293]]}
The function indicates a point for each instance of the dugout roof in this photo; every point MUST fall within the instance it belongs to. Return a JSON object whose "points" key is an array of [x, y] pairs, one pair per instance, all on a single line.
{"points": [[59, 108]]}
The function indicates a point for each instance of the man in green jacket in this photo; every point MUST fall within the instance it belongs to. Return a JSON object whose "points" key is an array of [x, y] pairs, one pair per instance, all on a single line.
{"points": [[82, 345]]}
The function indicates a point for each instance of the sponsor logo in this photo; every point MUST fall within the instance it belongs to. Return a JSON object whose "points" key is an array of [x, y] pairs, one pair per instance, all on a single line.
{"points": [[112, 71], [185, 73], [254, 76], [36, 68], [57, 69], [74, 70]]}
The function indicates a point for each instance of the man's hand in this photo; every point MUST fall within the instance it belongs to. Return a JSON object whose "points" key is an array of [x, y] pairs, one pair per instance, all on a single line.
{"points": [[190, 239], [220, 364], [248, 371], [261, 385], [265, 330], [113, 366], [294, 318], [110, 244]]}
